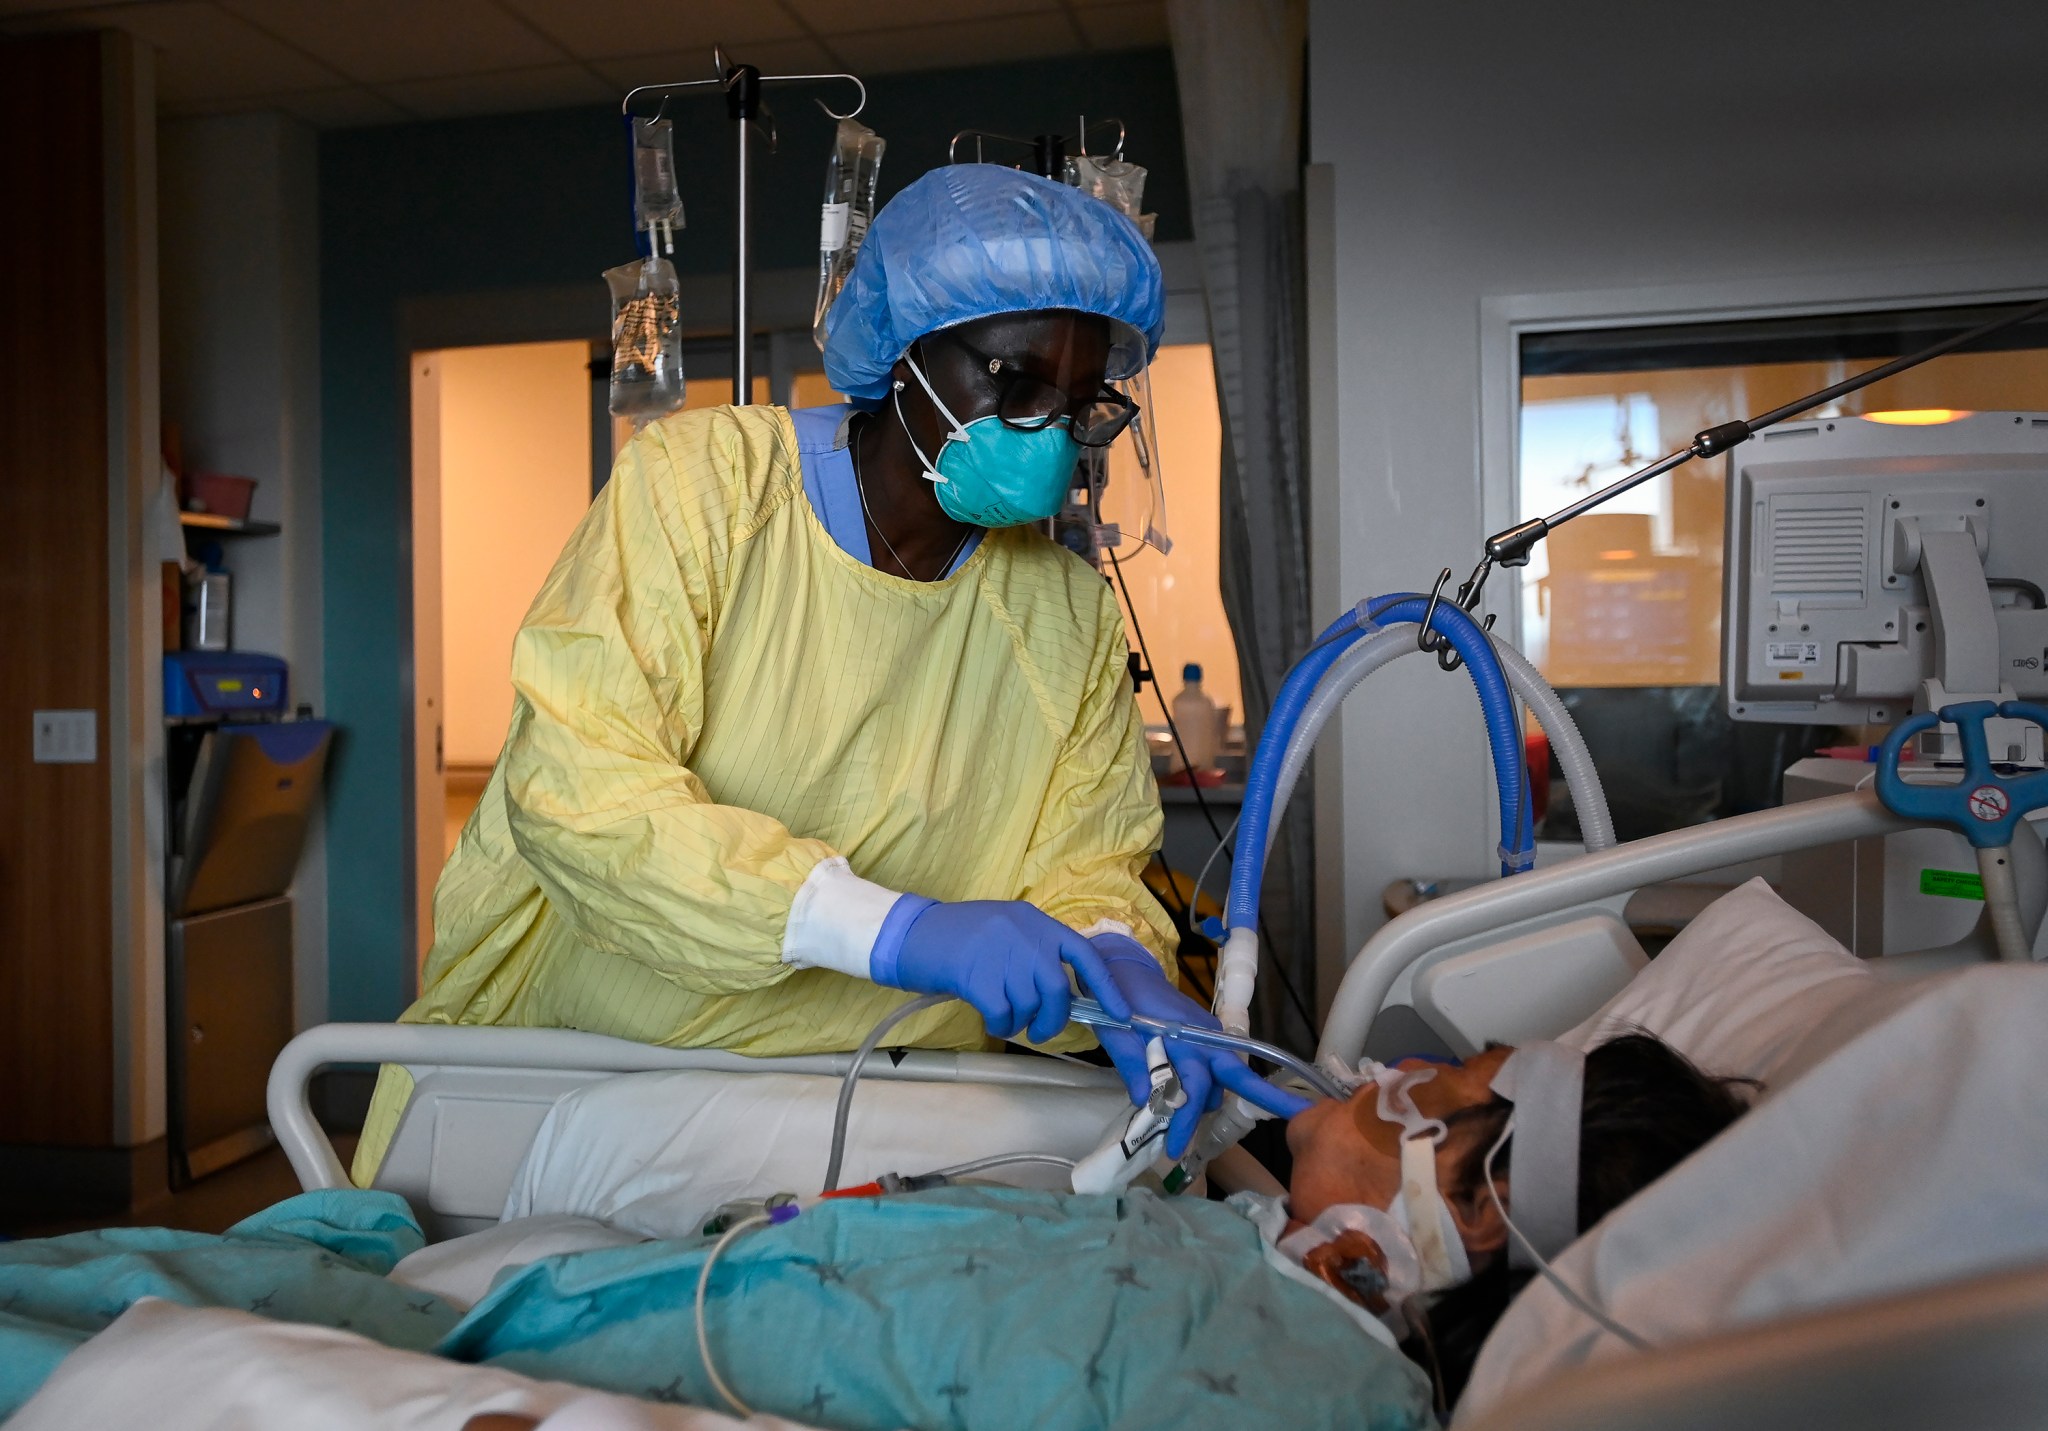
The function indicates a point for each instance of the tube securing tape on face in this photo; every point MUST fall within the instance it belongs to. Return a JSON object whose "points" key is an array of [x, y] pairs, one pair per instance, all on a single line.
{"points": [[1421, 1210]]}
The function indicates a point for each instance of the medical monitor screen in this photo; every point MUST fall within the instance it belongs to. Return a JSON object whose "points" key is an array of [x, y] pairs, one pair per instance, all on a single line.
{"points": [[1868, 558]]}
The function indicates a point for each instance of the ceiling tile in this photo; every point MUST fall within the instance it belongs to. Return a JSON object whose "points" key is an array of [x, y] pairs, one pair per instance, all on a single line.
{"points": [[346, 108], [1123, 27], [965, 42], [205, 55], [768, 56], [836, 17], [383, 40], [596, 29], [545, 87]]}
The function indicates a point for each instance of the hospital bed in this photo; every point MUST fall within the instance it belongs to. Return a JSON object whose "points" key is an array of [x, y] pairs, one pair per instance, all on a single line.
{"points": [[1522, 958], [1515, 959]]}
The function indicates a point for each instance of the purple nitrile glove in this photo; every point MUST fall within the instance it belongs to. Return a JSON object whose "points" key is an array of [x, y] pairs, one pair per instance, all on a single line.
{"points": [[1205, 1073], [1007, 958]]}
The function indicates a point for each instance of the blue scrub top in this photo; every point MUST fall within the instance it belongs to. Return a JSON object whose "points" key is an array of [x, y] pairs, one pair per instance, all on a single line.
{"points": [[829, 481]]}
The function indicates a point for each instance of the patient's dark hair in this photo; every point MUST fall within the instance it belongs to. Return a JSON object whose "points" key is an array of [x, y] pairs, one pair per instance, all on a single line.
{"points": [[1646, 1109]]}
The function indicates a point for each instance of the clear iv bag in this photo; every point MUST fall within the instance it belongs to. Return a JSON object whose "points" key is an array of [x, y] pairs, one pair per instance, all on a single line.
{"points": [[1117, 182], [657, 198], [647, 339], [850, 178]]}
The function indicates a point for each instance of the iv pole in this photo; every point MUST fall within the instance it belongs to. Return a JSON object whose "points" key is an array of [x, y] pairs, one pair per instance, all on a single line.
{"points": [[742, 85]]}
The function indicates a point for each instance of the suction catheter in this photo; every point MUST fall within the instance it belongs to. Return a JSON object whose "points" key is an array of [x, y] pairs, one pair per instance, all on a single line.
{"points": [[1087, 1011]]}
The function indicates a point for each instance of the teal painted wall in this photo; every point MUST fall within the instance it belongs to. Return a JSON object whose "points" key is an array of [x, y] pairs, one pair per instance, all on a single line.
{"points": [[541, 200]]}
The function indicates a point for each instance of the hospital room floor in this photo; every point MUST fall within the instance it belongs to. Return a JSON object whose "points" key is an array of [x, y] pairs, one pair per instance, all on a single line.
{"points": [[213, 1204]]}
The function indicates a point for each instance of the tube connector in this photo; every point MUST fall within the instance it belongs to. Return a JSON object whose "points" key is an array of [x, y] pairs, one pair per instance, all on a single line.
{"points": [[1237, 972], [1221, 1130], [1516, 862]]}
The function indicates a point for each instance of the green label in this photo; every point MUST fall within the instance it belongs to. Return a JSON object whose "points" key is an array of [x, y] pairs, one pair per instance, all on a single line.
{"points": [[1951, 884]]}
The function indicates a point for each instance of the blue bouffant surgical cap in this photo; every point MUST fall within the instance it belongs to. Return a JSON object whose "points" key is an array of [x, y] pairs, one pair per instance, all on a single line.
{"points": [[973, 240]]}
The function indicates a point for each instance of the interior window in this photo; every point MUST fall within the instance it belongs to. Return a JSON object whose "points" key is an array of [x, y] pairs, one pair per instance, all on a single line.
{"points": [[1621, 608]]}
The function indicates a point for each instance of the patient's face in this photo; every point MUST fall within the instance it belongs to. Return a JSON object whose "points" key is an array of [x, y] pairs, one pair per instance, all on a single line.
{"points": [[1346, 1153]]}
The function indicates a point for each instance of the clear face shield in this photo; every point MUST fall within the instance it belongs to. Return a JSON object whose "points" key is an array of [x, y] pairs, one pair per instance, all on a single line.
{"points": [[1118, 503]]}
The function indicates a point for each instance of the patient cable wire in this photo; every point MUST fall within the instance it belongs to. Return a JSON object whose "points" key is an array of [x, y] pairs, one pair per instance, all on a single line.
{"points": [[1001, 1160], [867, 1046], [745, 1225], [1570, 1293], [1223, 838]]}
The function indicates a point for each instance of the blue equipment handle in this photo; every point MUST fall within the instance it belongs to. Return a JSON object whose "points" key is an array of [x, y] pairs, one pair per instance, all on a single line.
{"points": [[1986, 806]]}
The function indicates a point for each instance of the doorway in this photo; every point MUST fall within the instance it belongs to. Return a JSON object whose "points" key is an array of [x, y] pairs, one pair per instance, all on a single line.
{"points": [[501, 475]]}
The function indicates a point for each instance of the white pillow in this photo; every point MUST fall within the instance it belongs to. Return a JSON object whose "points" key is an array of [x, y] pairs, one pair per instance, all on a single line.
{"points": [[653, 1153], [1739, 989], [165, 1367]]}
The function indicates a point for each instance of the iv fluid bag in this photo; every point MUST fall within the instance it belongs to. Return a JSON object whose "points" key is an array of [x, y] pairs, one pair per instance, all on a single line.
{"points": [[657, 199], [1117, 182], [647, 339], [850, 178]]}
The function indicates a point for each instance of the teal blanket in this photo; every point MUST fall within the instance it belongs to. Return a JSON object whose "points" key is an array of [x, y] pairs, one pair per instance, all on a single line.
{"points": [[960, 1308], [319, 1257], [963, 1308]]}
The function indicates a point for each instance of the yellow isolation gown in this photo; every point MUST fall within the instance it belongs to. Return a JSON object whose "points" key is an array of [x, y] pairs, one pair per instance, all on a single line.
{"points": [[712, 698]]}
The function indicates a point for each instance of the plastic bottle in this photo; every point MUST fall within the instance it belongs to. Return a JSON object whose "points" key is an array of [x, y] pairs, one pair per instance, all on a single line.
{"points": [[1195, 716]]}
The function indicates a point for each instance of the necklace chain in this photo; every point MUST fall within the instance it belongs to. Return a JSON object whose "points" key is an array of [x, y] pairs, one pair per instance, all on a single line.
{"points": [[861, 487]]}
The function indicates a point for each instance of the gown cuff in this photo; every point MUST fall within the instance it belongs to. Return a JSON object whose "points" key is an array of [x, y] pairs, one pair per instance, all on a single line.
{"points": [[1114, 941], [835, 920]]}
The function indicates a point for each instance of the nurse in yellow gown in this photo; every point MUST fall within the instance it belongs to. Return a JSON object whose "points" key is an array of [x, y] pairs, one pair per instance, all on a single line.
{"points": [[809, 713]]}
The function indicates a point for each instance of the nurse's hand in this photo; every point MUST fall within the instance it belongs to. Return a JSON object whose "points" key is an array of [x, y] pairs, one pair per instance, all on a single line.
{"points": [[1205, 1073], [1007, 958]]}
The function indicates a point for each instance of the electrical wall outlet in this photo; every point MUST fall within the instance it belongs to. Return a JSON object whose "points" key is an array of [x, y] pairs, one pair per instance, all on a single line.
{"points": [[67, 737]]}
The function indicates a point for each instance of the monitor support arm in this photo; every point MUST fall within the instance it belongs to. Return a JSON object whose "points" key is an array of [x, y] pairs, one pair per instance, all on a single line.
{"points": [[1959, 601], [1951, 564]]}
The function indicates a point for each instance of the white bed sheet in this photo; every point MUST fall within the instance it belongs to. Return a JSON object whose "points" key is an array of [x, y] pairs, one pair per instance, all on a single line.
{"points": [[654, 1153], [1915, 1153], [165, 1367]]}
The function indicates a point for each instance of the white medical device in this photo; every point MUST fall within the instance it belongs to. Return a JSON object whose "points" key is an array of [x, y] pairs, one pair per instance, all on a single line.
{"points": [[1878, 568]]}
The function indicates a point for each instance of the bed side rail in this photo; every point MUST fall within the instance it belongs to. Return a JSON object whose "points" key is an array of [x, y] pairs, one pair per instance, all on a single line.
{"points": [[1402, 942], [421, 1046]]}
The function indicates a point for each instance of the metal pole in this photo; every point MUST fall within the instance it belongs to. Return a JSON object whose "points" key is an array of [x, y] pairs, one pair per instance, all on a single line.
{"points": [[743, 103]]}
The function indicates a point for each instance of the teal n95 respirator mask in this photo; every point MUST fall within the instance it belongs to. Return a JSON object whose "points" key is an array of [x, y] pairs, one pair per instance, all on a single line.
{"points": [[988, 474]]}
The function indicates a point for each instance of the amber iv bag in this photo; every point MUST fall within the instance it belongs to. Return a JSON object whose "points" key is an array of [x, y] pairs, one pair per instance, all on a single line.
{"points": [[647, 340]]}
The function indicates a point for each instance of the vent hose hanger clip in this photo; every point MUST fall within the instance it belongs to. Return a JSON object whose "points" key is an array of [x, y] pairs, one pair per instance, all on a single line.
{"points": [[1429, 639]]}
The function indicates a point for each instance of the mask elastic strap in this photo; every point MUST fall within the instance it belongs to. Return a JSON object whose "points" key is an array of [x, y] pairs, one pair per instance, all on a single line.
{"points": [[1546, 1082], [958, 433]]}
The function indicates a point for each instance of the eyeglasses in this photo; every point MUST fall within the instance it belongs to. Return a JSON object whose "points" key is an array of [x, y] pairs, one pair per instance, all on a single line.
{"points": [[1029, 403]]}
